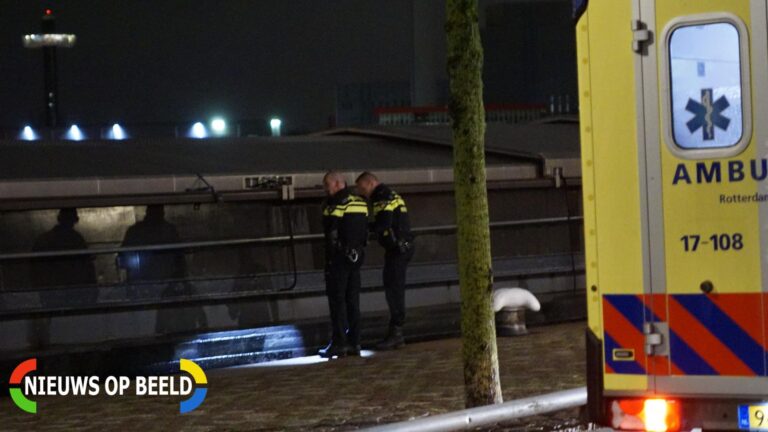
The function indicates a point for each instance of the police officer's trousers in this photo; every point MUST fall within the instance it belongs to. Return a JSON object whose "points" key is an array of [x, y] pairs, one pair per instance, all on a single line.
{"points": [[395, 267], [342, 286]]}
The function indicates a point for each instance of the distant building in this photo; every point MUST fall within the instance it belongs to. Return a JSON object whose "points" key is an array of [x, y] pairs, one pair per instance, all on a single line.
{"points": [[530, 54], [529, 61], [356, 103], [438, 115]]}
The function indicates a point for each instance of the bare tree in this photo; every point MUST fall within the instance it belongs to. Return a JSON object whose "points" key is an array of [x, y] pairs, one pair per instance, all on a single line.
{"points": [[465, 64]]}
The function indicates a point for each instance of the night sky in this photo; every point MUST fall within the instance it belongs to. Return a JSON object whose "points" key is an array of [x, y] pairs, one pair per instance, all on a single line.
{"points": [[145, 61]]}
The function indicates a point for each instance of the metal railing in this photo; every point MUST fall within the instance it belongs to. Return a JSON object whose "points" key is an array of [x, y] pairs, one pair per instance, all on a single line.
{"points": [[222, 298], [440, 229], [473, 418]]}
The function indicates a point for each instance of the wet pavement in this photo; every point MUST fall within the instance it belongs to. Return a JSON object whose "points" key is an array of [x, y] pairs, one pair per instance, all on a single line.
{"points": [[347, 394]]}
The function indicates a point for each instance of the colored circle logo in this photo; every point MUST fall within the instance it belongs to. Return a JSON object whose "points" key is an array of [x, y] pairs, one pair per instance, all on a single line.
{"points": [[17, 376], [198, 396]]}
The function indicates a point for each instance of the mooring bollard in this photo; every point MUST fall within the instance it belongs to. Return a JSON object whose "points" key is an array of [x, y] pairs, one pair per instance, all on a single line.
{"points": [[509, 305], [510, 322]]}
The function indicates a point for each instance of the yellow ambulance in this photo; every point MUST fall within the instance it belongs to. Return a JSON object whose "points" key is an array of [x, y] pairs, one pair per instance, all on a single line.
{"points": [[674, 135]]}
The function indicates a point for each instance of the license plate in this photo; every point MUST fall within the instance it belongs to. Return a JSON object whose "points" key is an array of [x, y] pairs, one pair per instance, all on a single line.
{"points": [[753, 417]]}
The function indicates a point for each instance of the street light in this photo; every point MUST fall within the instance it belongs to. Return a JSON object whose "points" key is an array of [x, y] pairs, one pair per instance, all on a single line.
{"points": [[28, 134], [117, 132], [275, 124], [219, 126], [198, 131], [74, 133]]}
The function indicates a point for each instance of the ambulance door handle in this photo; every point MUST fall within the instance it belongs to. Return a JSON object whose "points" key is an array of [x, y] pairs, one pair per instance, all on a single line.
{"points": [[656, 338], [641, 36]]}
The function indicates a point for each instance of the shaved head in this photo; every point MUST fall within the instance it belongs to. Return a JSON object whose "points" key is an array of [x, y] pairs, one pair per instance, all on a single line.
{"points": [[366, 176], [333, 181], [366, 183], [335, 176]]}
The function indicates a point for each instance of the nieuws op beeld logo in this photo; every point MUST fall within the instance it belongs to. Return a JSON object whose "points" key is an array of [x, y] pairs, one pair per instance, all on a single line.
{"points": [[25, 386]]}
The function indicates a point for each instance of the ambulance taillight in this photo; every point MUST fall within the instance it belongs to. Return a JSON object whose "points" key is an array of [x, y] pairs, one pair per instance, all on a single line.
{"points": [[653, 415]]}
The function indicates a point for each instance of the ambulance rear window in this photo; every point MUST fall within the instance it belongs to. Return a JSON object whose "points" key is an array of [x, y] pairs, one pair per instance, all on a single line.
{"points": [[705, 68]]}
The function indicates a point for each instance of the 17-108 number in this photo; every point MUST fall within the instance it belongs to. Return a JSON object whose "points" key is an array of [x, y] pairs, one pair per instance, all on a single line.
{"points": [[718, 242]]}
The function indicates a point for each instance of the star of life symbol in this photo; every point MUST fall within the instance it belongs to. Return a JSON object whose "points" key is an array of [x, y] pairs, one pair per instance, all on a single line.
{"points": [[708, 115]]}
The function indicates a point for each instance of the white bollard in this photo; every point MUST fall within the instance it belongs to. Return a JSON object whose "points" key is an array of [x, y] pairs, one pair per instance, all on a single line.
{"points": [[510, 305], [516, 298]]}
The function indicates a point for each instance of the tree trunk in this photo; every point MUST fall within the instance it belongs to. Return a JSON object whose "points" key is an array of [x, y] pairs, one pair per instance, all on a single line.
{"points": [[465, 63]]}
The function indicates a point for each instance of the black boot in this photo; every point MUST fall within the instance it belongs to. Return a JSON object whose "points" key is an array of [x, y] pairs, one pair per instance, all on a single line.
{"points": [[353, 343], [393, 340], [354, 350], [335, 350]]}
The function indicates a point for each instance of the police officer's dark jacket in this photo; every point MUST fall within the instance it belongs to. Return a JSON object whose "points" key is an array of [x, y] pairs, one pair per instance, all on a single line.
{"points": [[345, 221], [392, 225]]}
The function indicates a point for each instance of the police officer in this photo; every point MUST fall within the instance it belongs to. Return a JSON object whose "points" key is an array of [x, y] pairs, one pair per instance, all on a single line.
{"points": [[345, 222], [393, 231]]}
